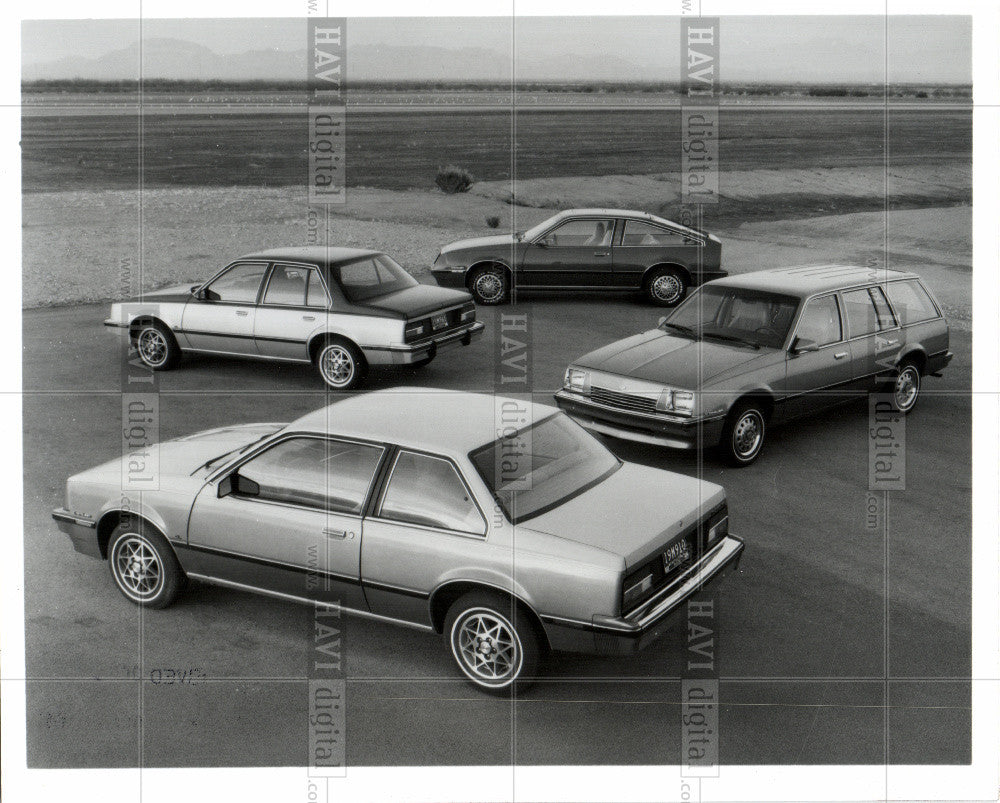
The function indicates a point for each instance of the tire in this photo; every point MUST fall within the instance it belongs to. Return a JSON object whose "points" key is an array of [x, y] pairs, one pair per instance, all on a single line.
{"points": [[490, 285], [157, 347], [143, 566], [666, 287], [906, 389], [341, 364], [473, 625], [743, 434]]}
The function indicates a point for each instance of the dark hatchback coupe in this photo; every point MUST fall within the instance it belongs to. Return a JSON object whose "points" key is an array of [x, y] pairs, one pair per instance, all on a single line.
{"points": [[751, 350], [585, 249]]}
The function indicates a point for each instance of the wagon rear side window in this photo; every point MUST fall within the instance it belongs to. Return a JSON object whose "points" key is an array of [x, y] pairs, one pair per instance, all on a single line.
{"points": [[911, 302]]}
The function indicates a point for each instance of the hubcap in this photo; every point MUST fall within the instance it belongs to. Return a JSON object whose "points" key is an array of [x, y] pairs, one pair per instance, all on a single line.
{"points": [[152, 347], [489, 286], [748, 433], [337, 365], [138, 566], [487, 647], [667, 288], [907, 387]]}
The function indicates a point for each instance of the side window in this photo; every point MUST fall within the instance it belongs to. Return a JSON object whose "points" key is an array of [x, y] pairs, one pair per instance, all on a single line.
{"points": [[315, 292], [315, 472], [638, 232], [287, 286], [427, 490], [582, 233], [911, 302], [886, 320], [820, 321], [239, 284], [862, 319]]}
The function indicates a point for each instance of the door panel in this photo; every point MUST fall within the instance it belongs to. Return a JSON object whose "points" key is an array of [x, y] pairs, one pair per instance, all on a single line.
{"points": [[876, 338], [294, 304], [224, 319], [306, 553], [816, 379], [576, 253]]}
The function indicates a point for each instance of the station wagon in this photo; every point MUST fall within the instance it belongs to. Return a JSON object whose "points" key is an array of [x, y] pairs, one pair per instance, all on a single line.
{"points": [[403, 506], [747, 351], [585, 249], [341, 309]]}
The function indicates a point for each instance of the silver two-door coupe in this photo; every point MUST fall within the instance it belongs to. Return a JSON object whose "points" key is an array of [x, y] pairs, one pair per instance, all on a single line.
{"points": [[404, 505], [341, 309]]}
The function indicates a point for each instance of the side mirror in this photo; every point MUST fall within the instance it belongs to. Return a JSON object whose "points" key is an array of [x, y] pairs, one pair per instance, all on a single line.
{"points": [[236, 484], [802, 345], [542, 243], [194, 289]]}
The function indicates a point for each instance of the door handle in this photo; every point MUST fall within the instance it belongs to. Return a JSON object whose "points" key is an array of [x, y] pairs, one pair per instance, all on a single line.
{"points": [[341, 535], [601, 253], [308, 317], [891, 342], [242, 313], [840, 355]]}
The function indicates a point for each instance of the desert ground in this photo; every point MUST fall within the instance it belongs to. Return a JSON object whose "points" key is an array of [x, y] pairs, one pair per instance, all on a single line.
{"points": [[838, 643]]}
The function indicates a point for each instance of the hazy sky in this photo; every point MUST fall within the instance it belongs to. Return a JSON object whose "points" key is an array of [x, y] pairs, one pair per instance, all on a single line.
{"points": [[792, 48]]}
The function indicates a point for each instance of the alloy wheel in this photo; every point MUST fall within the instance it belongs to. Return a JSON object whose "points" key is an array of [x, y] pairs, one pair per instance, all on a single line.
{"points": [[137, 567], [337, 365], [487, 647], [152, 347]]}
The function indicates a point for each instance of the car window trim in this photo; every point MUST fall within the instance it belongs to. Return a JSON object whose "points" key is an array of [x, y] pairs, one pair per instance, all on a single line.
{"points": [[235, 465], [920, 284], [305, 295], [376, 510], [267, 272], [867, 288], [673, 232], [840, 313]]}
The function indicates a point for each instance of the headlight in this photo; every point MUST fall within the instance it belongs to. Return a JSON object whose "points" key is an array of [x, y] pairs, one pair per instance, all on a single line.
{"points": [[577, 380], [675, 401]]}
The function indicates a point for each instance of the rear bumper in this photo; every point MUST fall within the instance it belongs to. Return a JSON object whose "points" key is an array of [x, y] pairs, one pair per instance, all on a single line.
{"points": [[415, 352], [81, 531], [936, 363], [659, 430], [642, 627]]}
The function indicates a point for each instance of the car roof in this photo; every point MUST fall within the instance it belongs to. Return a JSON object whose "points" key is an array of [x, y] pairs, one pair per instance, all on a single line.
{"points": [[602, 212], [446, 422], [317, 254], [806, 280]]}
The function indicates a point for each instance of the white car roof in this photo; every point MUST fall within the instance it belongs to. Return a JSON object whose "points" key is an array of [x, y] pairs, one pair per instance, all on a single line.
{"points": [[447, 422]]}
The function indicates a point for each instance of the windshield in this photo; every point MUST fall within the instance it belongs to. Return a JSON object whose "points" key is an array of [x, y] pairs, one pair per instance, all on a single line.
{"points": [[371, 277], [542, 227], [735, 314], [541, 466]]}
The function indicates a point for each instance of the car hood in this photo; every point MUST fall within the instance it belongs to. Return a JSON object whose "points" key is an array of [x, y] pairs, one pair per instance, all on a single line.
{"points": [[659, 505], [181, 457], [658, 357], [414, 302], [177, 292], [479, 242]]}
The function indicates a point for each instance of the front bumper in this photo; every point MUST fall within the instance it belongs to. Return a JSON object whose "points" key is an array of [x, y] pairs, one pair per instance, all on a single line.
{"points": [[415, 352], [115, 323], [449, 278], [625, 636], [660, 430], [81, 530]]}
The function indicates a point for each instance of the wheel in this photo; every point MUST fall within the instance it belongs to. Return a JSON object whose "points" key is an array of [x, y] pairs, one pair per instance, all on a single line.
{"points": [[341, 364], [490, 285], [143, 565], [743, 434], [157, 347], [906, 389], [493, 641], [666, 287]]}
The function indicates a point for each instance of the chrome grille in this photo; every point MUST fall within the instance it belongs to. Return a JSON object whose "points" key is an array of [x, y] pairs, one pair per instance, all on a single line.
{"points": [[623, 401]]}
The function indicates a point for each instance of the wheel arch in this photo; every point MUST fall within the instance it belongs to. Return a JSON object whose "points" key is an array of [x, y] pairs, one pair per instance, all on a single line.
{"points": [[762, 396], [446, 594], [144, 319], [317, 340], [112, 518], [483, 263], [679, 266], [914, 354]]}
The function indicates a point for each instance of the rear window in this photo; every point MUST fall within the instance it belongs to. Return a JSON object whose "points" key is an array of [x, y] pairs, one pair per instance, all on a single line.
{"points": [[370, 278], [910, 301]]}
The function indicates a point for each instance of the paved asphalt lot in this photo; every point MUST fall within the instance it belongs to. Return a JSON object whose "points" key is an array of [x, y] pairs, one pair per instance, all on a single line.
{"points": [[834, 644]]}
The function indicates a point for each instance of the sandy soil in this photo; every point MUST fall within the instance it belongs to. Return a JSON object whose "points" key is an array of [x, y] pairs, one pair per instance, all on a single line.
{"points": [[86, 246]]}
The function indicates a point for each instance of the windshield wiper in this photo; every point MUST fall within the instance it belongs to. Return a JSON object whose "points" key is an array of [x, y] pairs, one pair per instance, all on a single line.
{"points": [[239, 450], [687, 330], [733, 339]]}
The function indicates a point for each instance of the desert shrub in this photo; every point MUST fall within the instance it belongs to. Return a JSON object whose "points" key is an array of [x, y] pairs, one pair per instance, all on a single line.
{"points": [[493, 221], [453, 179]]}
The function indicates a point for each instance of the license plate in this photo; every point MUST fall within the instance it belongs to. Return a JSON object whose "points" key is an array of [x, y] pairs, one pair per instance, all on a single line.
{"points": [[676, 555], [439, 322]]}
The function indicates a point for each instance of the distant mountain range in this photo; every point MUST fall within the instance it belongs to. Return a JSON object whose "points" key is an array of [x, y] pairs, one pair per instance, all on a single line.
{"points": [[179, 59]]}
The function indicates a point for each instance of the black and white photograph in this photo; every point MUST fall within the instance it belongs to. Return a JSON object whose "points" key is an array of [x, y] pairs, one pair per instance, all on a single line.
{"points": [[652, 338]]}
